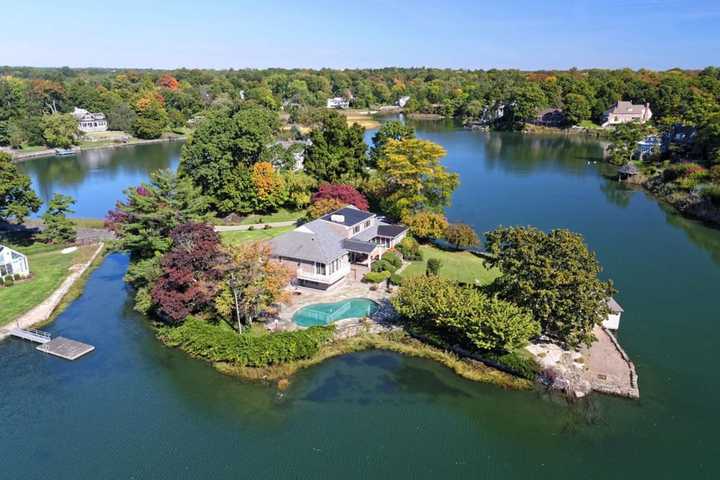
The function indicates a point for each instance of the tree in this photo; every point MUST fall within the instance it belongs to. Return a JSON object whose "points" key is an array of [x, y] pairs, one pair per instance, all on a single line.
{"points": [[17, 198], [219, 154], [169, 82], [59, 129], [461, 235], [191, 272], [553, 275], [253, 283], [624, 138], [413, 178], [323, 207], [269, 187], [150, 116], [344, 193], [466, 313], [121, 117], [143, 222], [58, 228], [527, 100], [577, 108], [426, 225], [299, 186], [392, 130], [337, 151], [433, 267]]}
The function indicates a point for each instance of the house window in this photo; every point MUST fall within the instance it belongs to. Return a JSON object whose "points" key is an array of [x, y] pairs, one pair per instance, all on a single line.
{"points": [[356, 229], [5, 270], [320, 268], [367, 224]]}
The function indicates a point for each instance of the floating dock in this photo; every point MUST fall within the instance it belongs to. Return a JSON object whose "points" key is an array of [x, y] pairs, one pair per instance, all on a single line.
{"points": [[59, 346]]}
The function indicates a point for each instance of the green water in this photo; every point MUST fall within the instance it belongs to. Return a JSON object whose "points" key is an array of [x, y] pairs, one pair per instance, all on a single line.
{"points": [[327, 313], [134, 409]]}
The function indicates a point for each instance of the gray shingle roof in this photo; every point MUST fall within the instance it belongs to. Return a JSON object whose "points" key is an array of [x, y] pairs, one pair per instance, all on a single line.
{"points": [[358, 246], [614, 306], [390, 231], [317, 241]]}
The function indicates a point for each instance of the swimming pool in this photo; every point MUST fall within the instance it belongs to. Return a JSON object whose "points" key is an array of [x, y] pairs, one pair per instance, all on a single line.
{"points": [[327, 313]]}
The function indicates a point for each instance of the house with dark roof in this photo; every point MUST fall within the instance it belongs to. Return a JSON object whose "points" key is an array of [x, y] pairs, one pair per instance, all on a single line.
{"points": [[345, 242], [550, 117]]}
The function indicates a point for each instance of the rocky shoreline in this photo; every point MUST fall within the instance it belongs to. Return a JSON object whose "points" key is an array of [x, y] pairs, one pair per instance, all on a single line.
{"points": [[691, 205]]}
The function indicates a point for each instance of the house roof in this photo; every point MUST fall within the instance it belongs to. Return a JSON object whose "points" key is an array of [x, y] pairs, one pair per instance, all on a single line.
{"points": [[352, 215], [629, 169], [391, 231], [352, 245], [624, 107], [13, 253], [614, 306]]}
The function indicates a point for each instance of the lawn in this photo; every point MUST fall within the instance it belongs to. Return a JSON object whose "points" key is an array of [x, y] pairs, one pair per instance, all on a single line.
{"points": [[49, 269], [281, 215], [460, 266], [233, 238]]}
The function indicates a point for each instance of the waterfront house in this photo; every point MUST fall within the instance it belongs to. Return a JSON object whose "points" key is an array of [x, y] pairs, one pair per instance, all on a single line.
{"points": [[338, 102], [13, 263], [625, 112], [679, 139], [402, 101], [649, 145], [340, 244], [612, 322], [297, 150], [550, 117], [90, 122]]}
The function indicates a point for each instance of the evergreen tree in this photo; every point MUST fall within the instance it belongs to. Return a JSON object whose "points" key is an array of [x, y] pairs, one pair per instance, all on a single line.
{"points": [[58, 228]]}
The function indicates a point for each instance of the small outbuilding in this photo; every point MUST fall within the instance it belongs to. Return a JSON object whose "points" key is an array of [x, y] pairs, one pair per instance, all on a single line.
{"points": [[613, 319], [13, 263], [627, 171]]}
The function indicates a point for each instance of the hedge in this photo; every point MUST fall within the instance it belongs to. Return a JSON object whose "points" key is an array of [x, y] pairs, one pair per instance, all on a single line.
{"points": [[376, 277], [219, 343]]}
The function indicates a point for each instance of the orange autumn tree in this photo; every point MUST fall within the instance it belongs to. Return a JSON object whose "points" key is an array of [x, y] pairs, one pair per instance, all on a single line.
{"points": [[169, 82], [253, 283], [269, 186]]}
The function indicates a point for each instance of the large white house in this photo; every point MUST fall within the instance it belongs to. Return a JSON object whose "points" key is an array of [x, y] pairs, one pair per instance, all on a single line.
{"points": [[90, 122], [13, 263], [345, 242], [626, 112], [338, 102]]}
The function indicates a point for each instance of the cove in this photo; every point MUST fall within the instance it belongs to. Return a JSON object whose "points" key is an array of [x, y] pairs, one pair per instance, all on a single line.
{"points": [[135, 409]]}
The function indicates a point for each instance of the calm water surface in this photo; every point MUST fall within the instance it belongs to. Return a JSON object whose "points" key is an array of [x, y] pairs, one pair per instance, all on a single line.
{"points": [[134, 409]]}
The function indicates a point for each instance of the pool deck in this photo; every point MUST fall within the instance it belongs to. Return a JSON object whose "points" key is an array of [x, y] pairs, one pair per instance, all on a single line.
{"points": [[344, 290]]}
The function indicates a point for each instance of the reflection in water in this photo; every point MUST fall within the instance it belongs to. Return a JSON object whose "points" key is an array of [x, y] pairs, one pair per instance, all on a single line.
{"points": [[617, 192], [97, 178]]}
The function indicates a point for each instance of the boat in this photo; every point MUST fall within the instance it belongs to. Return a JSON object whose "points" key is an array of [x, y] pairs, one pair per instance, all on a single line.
{"points": [[63, 152]]}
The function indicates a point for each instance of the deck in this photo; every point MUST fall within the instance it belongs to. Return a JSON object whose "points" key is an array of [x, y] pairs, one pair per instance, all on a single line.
{"points": [[59, 346]]}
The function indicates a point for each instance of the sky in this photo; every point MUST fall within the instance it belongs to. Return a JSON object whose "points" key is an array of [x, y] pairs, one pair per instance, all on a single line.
{"points": [[221, 34]]}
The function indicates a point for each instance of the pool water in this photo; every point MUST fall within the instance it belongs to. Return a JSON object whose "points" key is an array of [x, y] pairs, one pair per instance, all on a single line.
{"points": [[327, 313]]}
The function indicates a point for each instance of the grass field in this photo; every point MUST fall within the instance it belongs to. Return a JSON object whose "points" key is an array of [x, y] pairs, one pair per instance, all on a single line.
{"points": [[233, 238], [459, 266], [49, 269], [281, 215]]}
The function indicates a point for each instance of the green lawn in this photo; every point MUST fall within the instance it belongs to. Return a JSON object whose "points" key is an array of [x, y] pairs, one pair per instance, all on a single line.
{"points": [[589, 124], [460, 266], [281, 215], [49, 269], [233, 238]]}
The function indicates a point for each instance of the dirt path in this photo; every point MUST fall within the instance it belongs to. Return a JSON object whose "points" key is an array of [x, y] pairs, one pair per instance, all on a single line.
{"points": [[42, 312]]}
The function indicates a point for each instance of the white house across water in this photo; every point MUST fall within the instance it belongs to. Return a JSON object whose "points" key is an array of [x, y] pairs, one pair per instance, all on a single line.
{"points": [[13, 263], [90, 122]]}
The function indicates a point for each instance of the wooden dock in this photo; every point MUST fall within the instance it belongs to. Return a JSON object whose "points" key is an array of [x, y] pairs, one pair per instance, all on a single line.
{"points": [[59, 346]]}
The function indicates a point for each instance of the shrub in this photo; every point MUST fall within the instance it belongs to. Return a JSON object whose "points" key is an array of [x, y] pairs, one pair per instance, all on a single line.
{"points": [[219, 343], [426, 225], [433, 266], [712, 193], [715, 174], [9, 281], [345, 194], [410, 249], [393, 259], [522, 365], [693, 179], [17, 276], [376, 277], [267, 227], [396, 279], [383, 266], [679, 170], [251, 227], [461, 235]]}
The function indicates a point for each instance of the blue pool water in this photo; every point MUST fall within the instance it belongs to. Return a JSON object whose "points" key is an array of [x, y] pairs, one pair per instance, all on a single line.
{"points": [[327, 313]]}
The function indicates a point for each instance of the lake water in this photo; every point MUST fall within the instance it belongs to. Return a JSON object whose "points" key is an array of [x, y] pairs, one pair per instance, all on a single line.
{"points": [[134, 409]]}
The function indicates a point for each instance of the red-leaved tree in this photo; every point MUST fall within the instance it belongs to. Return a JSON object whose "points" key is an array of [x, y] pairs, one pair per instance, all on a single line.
{"points": [[347, 194], [192, 271], [169, 82]]}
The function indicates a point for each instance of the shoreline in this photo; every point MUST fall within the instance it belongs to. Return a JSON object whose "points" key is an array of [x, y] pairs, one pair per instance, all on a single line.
{"points": [[50, 152]]}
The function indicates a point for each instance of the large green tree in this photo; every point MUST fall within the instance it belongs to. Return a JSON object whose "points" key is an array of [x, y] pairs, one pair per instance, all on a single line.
{"points": [[577, 108], [412, 178], [624, 138], [58, 228], [17, 198], [392, 130], [337, 152], [59, 129], [223, 148], [555, 276]]}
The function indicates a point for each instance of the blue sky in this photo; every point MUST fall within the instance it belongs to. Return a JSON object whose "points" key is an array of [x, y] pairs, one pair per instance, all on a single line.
{"points": [[457, 34]]}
